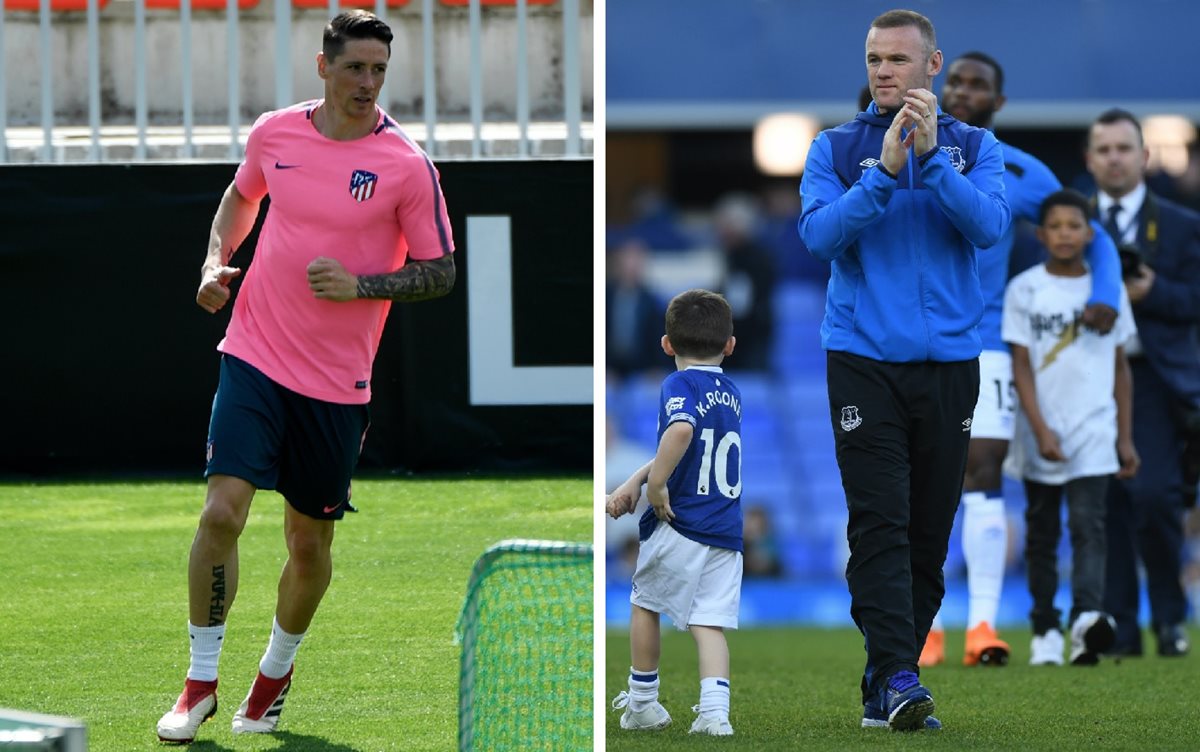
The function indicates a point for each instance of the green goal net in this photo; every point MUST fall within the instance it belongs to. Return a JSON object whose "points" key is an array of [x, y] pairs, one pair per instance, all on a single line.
{"points": [[525, 680]]}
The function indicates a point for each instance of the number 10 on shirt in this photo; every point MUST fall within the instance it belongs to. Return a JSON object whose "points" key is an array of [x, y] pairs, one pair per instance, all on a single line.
{"points": [[719, 457]]}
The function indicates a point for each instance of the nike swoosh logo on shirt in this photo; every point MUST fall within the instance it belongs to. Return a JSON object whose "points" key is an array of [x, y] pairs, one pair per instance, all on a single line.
{"points": [[279, 166]]}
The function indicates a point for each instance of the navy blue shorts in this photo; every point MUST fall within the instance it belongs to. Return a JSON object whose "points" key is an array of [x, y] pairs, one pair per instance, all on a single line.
{"points": [[276, 439]]}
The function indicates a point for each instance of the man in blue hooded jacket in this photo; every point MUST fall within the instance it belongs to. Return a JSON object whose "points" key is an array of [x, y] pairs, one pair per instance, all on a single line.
{"points": [[899, 199]]}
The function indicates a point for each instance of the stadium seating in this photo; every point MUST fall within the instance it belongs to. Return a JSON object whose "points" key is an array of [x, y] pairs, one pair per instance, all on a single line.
{"points": [[368, 4], [55, 5], [200, 4], [497, 2]]}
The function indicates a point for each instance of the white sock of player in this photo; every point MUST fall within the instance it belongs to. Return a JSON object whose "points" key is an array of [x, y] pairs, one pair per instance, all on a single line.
{"points": [[643, 688], [985, 540], [937, 625], [281, 652], [205, 644], [714, 697]]}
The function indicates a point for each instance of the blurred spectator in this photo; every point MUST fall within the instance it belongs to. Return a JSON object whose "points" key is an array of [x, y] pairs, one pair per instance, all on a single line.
{"points": [[749, 280], [1027, 250], [781, 204], [1187, 184], [761, 557], [1191, 570], [654, 223], [621, 458], [633, 314]]}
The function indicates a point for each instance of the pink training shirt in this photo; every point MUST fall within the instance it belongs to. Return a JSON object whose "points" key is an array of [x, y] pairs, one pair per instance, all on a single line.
{"points": [[370, 203]]}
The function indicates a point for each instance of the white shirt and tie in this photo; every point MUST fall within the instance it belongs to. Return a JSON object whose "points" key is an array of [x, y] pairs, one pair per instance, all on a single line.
{"points": [[1128, 208], [1124, 219]]}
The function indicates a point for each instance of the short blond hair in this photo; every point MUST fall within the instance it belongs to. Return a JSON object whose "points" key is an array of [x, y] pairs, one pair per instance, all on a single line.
{"points": [[897, 19]]}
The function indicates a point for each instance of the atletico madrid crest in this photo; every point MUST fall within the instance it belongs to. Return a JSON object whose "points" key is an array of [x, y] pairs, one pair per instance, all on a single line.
{"points": [[362, 185]]}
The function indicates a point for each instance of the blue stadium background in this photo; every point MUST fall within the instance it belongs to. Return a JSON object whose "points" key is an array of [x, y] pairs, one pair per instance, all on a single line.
{"points": [[680, 111]]}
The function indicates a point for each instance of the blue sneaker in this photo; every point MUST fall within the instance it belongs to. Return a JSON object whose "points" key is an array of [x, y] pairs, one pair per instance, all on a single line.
{"points": [[907, 703], [874, 716]]}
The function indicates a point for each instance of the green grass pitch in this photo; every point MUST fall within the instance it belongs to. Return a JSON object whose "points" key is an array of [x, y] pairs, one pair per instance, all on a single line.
{"points": [[94, 609], [797, 689]]}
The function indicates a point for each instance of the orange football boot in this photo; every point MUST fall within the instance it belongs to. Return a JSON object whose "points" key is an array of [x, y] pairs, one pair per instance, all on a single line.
{"points": [[984, 647], [934, 651]]}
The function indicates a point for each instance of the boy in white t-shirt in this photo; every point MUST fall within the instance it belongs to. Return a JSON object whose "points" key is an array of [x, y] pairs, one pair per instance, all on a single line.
{"points": [[1074, 429]]}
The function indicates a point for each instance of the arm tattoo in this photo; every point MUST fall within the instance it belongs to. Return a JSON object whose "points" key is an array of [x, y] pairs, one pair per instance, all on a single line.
{"points": [[417, 280]]}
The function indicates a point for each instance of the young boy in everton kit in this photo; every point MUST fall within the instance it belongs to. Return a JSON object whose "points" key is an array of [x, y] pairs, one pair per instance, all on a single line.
{"points": [[690, 563]]}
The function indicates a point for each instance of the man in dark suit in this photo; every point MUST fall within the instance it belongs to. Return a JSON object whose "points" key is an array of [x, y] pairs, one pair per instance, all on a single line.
{"points": [[749, 283], [1160, 244]]}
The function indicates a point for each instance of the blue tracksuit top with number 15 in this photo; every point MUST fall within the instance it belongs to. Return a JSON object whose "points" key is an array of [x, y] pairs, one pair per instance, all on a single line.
{"points": [[904, 285]]}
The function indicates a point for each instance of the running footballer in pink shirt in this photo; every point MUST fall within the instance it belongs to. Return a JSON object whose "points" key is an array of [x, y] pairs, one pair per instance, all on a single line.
{"points": [[356, 212], [357, 220]]}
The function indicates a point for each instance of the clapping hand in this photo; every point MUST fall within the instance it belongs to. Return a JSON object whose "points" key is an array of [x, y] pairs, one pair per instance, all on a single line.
{"points": [[895, 149], [920, 109], [919, 116]]}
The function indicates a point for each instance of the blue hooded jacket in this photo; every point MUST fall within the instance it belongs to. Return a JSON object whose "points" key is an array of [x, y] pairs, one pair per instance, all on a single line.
{"points": [[904, 285]]}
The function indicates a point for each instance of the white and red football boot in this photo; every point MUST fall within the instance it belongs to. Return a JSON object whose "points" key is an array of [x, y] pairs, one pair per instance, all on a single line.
{"points": [[259, 712], [195, 705]]}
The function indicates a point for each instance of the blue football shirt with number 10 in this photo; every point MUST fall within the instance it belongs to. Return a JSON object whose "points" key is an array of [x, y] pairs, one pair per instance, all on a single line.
{"points": [[706, 487]]}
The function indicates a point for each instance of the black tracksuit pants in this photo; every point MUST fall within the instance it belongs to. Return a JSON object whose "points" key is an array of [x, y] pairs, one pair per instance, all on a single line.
{"points": [[901, 432]]}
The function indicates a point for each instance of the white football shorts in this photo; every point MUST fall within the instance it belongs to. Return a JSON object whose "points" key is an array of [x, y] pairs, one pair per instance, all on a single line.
{"points": [[690, 582], [995, 410]]}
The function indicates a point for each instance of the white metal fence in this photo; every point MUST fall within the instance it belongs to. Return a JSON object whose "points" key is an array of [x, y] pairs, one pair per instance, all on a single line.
{"points": [[90, 123]]}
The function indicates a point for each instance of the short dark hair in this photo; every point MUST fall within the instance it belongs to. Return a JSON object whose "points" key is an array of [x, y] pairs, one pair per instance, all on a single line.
{"points": [[1116, 115], [988, 60], [354, 24], [1065, 197], [897, 19], [699, 324]]}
